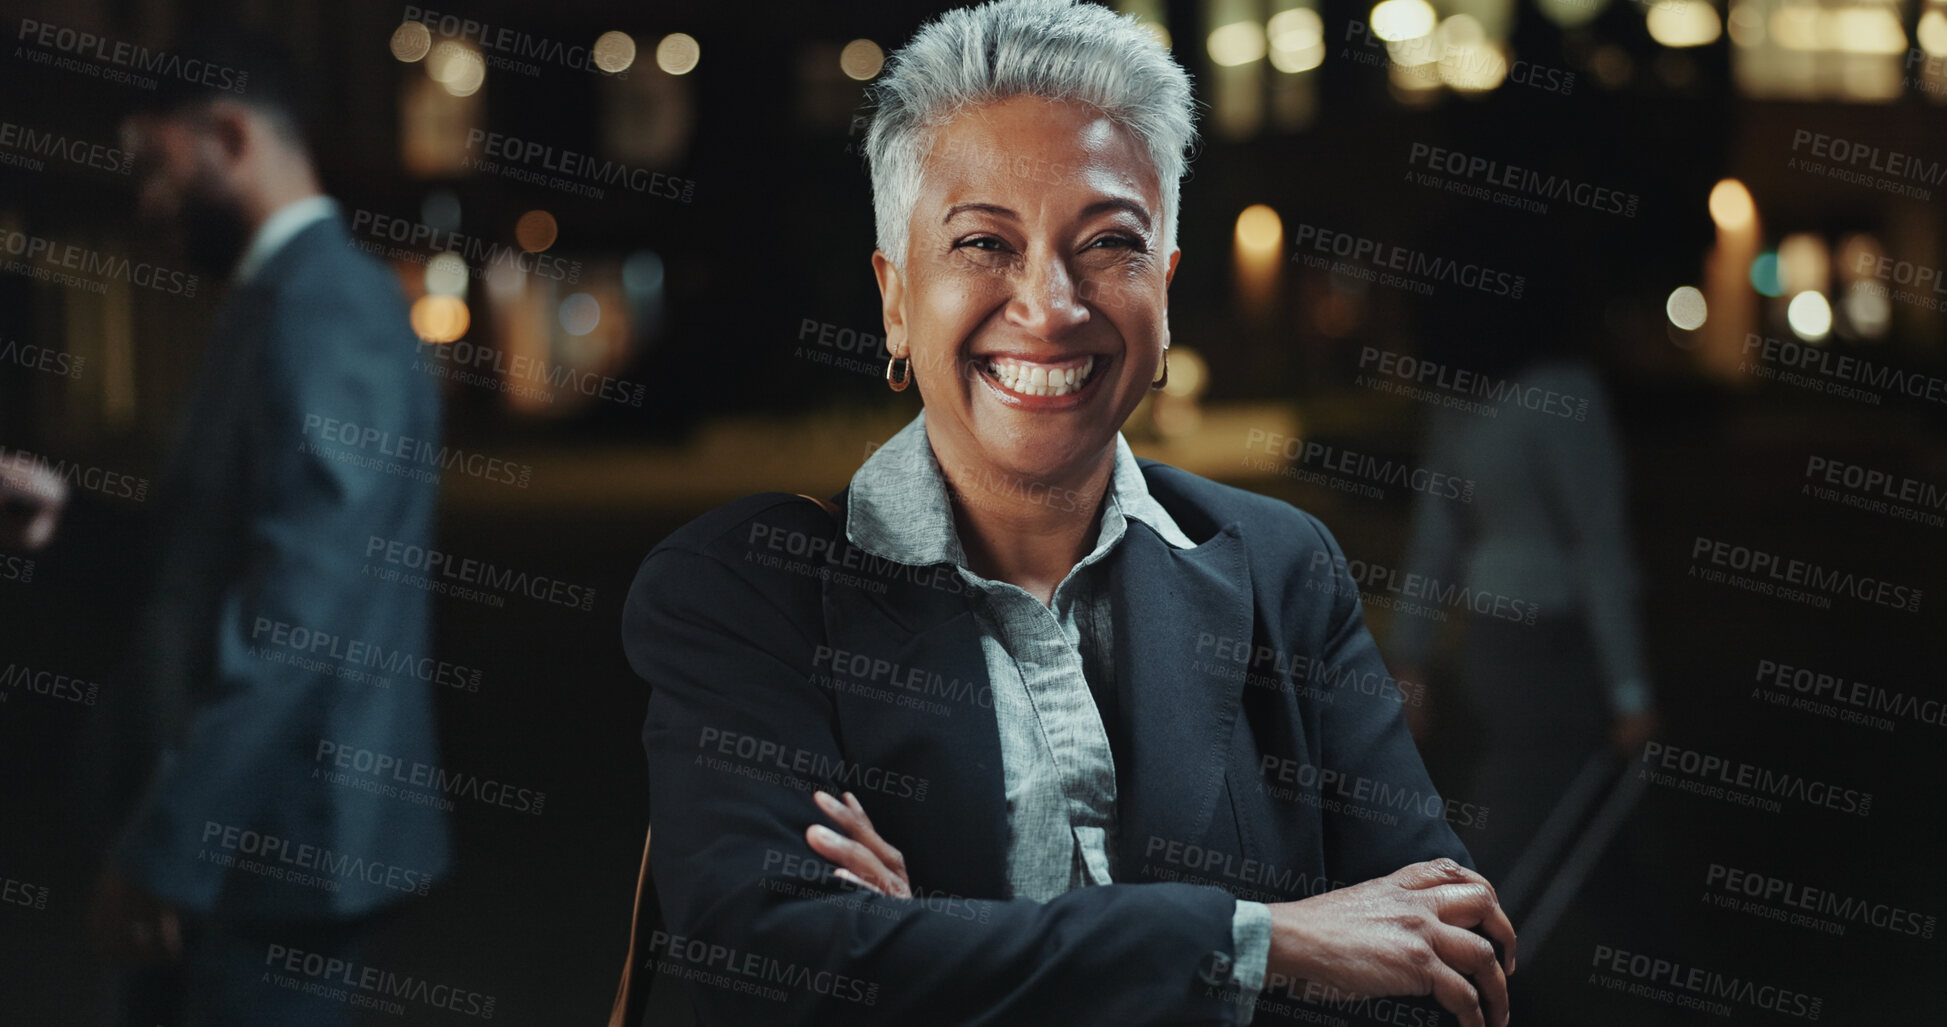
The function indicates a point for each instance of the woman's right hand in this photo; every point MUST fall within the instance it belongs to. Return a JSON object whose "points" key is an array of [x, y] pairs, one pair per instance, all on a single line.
{"points": [[1408, 933]]}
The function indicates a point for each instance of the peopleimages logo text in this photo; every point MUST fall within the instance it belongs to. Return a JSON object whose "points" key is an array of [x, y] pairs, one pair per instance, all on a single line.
{"points": [[88, 46], [1773, 568]]}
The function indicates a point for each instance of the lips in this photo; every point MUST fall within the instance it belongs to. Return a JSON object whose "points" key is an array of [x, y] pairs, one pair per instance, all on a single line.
{"points": [[1031, 379]]}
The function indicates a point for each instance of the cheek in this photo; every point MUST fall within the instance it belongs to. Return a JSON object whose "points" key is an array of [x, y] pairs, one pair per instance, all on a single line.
{"points": [[946, 315]]}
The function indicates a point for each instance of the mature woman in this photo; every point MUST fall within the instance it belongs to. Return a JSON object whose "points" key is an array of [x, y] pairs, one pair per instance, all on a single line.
{"points": [[1107, 732]]}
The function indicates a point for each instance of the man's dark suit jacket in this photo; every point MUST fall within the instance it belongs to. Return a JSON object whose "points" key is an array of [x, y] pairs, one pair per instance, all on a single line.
{"points": [[783, 659], [265, 625]]}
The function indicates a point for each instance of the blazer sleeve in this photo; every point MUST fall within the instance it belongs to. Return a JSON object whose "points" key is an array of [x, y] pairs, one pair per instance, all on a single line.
{"points": [[756, 925], [1368, 753], [309, 518]]}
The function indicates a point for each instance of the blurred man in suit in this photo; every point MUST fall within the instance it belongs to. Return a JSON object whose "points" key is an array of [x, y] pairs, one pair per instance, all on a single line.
{"points": [[277, 675]]}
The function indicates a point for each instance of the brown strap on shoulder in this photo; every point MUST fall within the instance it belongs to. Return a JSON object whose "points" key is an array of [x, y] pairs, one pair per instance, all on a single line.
{"points": [[831, 508], [618, 1014]]}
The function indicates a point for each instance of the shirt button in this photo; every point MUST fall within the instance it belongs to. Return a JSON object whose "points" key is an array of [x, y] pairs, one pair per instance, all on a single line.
{"points": [[1214, 969]]}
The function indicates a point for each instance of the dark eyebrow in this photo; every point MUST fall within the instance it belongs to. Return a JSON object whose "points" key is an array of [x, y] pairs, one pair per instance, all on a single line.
{"points": [[1099, 206], [992, 208], [1137, 209]]}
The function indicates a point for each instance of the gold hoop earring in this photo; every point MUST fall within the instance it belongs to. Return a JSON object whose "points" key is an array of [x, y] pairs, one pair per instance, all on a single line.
{"points": [[899, 384], [1159, 384]]}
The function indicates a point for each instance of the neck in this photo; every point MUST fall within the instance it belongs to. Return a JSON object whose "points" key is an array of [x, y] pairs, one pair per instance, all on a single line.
{"points": [[1027, 531], [289, 181]]}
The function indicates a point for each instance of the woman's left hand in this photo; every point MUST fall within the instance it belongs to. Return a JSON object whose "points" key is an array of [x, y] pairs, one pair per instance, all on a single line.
{"points": [[861, 855]]}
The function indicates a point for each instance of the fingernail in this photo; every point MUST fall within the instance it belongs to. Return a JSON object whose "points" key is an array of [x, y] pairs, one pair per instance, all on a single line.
{"points": [[823, 833]]}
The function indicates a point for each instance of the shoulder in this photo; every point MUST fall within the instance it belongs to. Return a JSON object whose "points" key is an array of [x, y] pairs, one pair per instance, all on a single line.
{"points": [[749, 571], [323, 279], [338, 320], [759, 541], [1202, 508]]}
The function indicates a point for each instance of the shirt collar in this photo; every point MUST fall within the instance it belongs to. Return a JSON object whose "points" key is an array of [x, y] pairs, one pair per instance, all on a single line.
{"points": [[898, 507], [280, 228]]}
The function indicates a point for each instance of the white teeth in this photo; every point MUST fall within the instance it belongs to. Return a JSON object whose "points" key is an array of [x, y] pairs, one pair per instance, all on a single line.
{"points": [[1037, 380]]}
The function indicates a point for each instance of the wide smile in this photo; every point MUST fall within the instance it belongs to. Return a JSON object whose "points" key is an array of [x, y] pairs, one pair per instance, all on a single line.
{"points": [[1036, 385]]}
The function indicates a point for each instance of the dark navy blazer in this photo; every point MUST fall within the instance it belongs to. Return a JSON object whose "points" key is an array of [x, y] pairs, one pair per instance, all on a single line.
{"points": [[1259, 745], [267, 635]]}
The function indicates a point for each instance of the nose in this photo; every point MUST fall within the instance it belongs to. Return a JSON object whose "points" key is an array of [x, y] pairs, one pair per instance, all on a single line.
{"points": [[1047, 302]]}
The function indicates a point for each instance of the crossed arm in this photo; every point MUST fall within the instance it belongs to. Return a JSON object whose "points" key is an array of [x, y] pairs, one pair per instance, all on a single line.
{"points": [[1408, 933]]}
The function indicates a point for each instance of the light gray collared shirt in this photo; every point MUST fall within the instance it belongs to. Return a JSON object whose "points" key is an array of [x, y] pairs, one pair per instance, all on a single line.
{"points": [[1056, 764]]}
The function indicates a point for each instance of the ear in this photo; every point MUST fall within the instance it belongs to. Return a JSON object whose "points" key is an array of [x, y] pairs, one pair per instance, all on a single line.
{"points": [[1168, 277], [892, 303], [230, 124]]}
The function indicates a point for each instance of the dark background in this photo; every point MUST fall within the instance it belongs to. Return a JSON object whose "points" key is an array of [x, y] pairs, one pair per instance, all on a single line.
{"points": [[778, 232]]}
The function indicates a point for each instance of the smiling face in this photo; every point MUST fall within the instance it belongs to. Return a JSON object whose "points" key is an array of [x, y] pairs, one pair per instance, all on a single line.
{"points": [[1034, 299]]}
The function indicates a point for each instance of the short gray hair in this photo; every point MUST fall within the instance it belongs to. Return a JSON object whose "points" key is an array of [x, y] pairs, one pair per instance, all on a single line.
{"points": [[1052, 49]]}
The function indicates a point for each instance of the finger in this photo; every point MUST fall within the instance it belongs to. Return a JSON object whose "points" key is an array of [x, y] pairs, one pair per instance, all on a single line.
{"points": [[841, 872], [1467, 899], [1457, 996], [1470, 954], [852, 817], [1485, 912], [1434, 873], [852, 856], [1499, 927]]}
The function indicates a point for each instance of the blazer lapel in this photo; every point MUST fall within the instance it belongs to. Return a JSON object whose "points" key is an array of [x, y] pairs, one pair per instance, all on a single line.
{"points": [[1176, 718], [954, 839]]}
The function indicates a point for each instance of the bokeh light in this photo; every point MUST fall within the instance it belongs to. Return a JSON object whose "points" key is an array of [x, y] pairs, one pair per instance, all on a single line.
{"points": [[1684, 23], [861, 60], [1803, 262], [536, 231], [614, 51], [1297, 40], [1731, 205], [1867, 309], [437, 318], [1810, 316], [457, 67], [579, 314], [1239, 42], [678, 53], [1686, 308], [447, 275], [411, 41], [1765, 277], [1931, 33], [1400, 20], [1259, 230]]}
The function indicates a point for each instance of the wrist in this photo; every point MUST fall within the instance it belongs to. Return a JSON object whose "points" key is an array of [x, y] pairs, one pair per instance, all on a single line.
{"points": [[1293, 947]]}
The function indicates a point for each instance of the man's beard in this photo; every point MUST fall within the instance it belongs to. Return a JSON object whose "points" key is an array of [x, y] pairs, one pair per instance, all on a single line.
{"points": [[213, 233]]}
